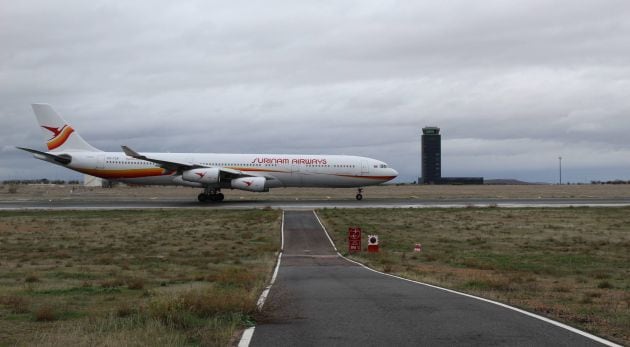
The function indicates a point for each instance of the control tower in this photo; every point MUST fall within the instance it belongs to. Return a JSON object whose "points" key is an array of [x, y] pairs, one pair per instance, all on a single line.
{"points": [[432, 161], [431, 156]]}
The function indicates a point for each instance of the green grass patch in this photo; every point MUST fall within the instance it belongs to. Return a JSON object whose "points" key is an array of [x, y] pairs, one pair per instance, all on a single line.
{"points": [[76, 291], [549, 264], [73, 275]]}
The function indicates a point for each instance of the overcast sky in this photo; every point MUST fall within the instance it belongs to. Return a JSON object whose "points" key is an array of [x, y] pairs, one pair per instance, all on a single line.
{"points": [[512, 84]]}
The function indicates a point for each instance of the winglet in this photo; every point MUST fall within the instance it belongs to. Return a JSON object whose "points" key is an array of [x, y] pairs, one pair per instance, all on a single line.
{"points": [[130, 152], [163, 163]]}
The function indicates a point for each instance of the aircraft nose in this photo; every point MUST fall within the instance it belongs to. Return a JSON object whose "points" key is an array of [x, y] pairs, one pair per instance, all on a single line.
{"points": [[394, 173]]}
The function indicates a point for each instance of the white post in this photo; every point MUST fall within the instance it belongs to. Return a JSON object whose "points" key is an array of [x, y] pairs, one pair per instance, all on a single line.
{"points": [[560, 169]]}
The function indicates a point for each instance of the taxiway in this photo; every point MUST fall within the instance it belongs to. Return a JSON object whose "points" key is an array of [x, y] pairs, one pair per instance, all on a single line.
{"points": [[320, 298]]}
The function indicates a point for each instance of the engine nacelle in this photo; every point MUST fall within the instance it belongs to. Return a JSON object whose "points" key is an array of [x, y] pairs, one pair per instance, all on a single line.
{"points": [[204, 176], [252, 184]]}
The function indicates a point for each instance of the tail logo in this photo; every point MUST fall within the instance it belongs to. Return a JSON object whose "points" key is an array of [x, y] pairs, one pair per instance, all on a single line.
{"points": [[55, 131], [60, 136]]}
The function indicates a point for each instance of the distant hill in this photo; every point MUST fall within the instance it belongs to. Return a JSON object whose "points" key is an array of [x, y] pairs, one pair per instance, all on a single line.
{"points": [[507, 181]]}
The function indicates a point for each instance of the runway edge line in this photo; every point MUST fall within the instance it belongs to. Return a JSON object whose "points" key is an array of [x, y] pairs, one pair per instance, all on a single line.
{"points": [[246, 338], [533, 315]]}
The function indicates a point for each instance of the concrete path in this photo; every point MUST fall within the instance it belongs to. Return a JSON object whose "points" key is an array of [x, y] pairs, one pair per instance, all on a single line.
{"points": [[321, 299]]}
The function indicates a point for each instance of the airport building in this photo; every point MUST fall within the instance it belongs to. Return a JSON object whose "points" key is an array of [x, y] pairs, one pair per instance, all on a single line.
{"points": [[91, 181], [431, 153], [431, 161]]}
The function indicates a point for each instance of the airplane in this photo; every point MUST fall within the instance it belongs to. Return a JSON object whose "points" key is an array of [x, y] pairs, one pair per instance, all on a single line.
{"points": [[209, 171]]}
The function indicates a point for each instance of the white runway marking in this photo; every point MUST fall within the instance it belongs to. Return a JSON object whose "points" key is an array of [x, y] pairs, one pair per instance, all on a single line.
{"points": [[246, 338]]}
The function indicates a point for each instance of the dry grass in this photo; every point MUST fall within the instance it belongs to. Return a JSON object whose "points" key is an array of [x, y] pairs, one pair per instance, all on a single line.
{"points": [[570, 264], [15, 304], [113, 331], [46, 192], [46, 313], [111, 278], [135, 283], [13, 189]]}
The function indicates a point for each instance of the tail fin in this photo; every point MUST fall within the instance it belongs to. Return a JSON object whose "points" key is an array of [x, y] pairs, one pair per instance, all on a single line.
{"points": [[59, 135]]}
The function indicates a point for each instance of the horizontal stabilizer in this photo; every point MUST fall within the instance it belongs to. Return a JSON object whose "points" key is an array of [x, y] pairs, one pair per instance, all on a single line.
{"points": [[61, 159]]}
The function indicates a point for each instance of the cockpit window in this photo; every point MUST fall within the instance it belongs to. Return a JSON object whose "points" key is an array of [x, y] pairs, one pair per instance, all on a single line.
{"points": [[383, 166]]}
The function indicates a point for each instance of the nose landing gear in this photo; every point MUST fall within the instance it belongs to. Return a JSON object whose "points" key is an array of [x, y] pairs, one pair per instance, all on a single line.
{"points": [[359, 194], [211, 194]]}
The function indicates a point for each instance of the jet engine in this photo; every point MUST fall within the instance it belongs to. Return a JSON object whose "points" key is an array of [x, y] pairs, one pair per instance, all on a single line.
{"points": [[252, 184], [204, 176]]}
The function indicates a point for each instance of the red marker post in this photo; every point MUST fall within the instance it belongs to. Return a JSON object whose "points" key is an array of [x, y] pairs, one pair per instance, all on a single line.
{"points": [[354, 239], [372, 244]]}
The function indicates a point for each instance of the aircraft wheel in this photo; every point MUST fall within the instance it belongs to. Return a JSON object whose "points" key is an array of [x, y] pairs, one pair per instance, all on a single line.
{"points": [[202, 197], [359, 197], [220, 197]]}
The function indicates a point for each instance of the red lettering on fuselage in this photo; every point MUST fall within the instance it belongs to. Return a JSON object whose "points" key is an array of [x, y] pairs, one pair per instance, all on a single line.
{"points": [[295, 161], [259, 160], [311, 161]]}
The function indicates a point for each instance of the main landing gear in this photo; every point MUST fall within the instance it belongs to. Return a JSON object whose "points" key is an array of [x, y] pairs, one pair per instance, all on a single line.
{"points": [[211, 194], [359, 194]]}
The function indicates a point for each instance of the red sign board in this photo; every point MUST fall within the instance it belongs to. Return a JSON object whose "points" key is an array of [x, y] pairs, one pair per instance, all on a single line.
{"points": [[354, 239]]}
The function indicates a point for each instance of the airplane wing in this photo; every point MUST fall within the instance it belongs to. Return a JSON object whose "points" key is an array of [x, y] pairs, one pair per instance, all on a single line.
{"points": [[180, 167], [169, 165]]}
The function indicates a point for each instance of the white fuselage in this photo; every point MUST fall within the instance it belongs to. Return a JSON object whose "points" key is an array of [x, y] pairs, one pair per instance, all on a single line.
{"points": [[280, 170], [211, 171]]}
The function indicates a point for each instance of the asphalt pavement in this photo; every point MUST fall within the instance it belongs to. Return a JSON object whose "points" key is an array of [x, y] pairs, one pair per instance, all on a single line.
{"points": [[320, 298]]}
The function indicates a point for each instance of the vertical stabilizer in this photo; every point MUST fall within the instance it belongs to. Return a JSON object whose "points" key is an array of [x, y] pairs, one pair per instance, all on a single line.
{"points": [[59, 135]]}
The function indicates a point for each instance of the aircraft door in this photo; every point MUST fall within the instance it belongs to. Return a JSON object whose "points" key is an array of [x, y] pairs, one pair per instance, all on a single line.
{"points": [[365, 167], [100, 161]]}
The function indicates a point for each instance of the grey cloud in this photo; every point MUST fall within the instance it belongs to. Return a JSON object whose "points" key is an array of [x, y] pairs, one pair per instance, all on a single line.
{"points": [[512, 84]]}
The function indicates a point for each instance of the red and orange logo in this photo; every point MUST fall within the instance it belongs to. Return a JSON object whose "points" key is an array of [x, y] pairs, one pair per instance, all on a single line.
{"points": [[60, 136]]}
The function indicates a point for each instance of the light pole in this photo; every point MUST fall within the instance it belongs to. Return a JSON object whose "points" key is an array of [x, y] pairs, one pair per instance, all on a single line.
{"points": [[560, 169]]}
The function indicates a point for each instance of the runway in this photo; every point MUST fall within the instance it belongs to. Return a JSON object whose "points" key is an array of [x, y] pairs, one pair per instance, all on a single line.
{"points": [[127, 203], [320, 298]]}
